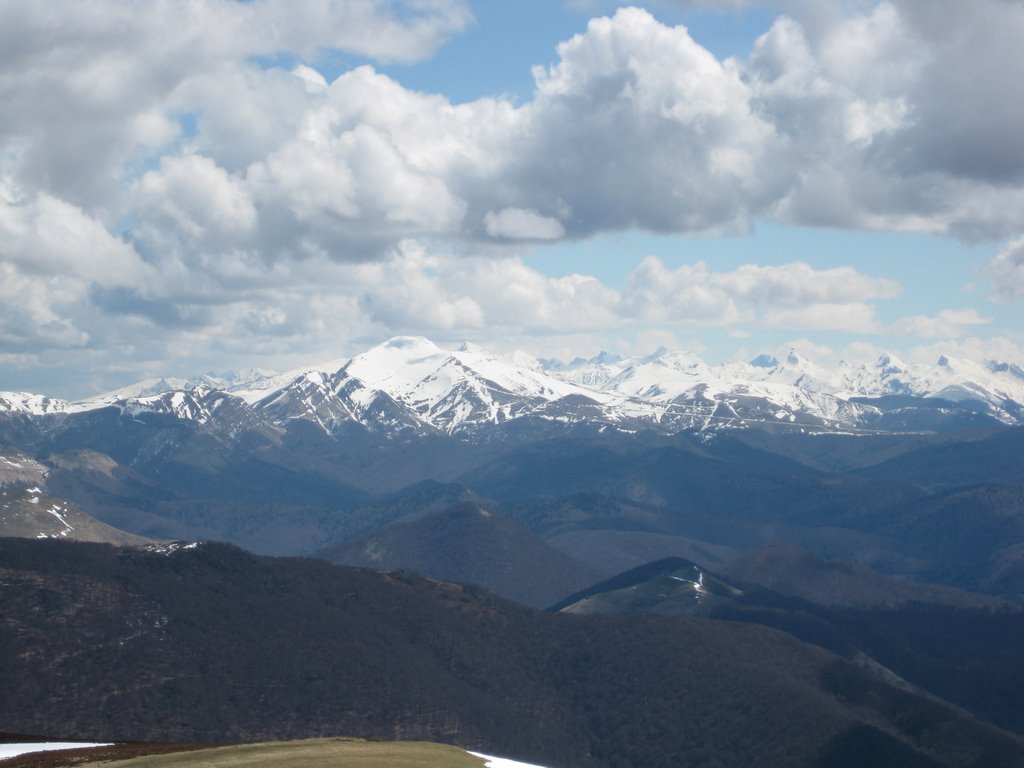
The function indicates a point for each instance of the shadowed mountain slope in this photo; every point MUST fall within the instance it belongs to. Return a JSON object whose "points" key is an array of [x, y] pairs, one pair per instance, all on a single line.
{"points": [[210, 643], [468, 543], [796, 572]]}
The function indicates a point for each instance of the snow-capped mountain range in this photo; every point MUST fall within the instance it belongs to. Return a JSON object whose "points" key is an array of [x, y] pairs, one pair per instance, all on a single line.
{"points": [[411, 384]]}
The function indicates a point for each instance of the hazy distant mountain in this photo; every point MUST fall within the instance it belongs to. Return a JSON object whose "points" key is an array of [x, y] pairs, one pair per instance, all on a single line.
{"points": [[793, 571]]}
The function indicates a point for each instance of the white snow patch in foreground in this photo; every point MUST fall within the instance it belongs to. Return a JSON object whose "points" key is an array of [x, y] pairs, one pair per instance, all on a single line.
{"points": [[502, 762], [13, 750]]}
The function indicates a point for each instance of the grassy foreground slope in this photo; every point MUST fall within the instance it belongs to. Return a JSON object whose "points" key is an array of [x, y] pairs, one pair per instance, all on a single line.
{"points": [[317, 753], [309, 753]]}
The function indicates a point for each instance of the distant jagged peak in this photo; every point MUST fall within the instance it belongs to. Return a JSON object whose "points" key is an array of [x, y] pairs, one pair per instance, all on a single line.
{"points": [[998, 366], [604, 358], [660, 352], [243, 376], [889, 361], [793, 357], [765, 360]]}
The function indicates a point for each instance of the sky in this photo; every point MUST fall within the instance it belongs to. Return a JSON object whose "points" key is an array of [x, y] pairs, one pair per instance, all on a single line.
{"points": [[192, 186]]}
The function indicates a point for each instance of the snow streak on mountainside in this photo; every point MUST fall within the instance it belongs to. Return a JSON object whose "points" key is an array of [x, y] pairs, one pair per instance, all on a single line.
{"points": [[409, 384]]}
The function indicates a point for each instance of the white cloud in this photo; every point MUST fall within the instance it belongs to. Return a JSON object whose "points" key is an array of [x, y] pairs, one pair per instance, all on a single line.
{"points": [[657, 294], [522, 224], [45, 236], [799, 284], [854, 317], [637, 125], [897, 114], [806, 349], [86, 88], [197, 198], [267, 208], [949, 323], [791, 295], [998, 348], [1006, 270]]}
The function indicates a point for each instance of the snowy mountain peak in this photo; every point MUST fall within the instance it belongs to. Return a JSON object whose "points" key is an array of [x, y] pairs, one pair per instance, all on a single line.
{"points": [[410, 383], [891, 362], [30, 404]]}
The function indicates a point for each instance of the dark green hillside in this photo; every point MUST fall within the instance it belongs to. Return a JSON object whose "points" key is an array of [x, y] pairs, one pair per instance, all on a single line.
{"points": [[672, 585], [213, 644], [961, 647], [469, 543]]}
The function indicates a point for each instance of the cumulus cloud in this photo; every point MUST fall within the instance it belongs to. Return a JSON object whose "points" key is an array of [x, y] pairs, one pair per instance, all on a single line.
{"points": [[852, 317], [160, 177], [197, 198], [997, 348], [522, 224], [637, 125], [949, 323], [89, 89], [1006, 270], [897, 116], [791, 295]]}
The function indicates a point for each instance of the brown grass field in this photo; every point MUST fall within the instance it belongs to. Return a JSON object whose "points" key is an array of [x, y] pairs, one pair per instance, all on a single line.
{"points": [[313, 753]]}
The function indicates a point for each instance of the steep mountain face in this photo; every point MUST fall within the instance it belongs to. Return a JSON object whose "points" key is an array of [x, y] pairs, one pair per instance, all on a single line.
{"points": [[18, 469], [208, 643], [34, 514], [28, 508]]}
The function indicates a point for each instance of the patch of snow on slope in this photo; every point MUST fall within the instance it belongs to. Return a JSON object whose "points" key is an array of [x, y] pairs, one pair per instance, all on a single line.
{"points": [[13, 750], [503, 762]]}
